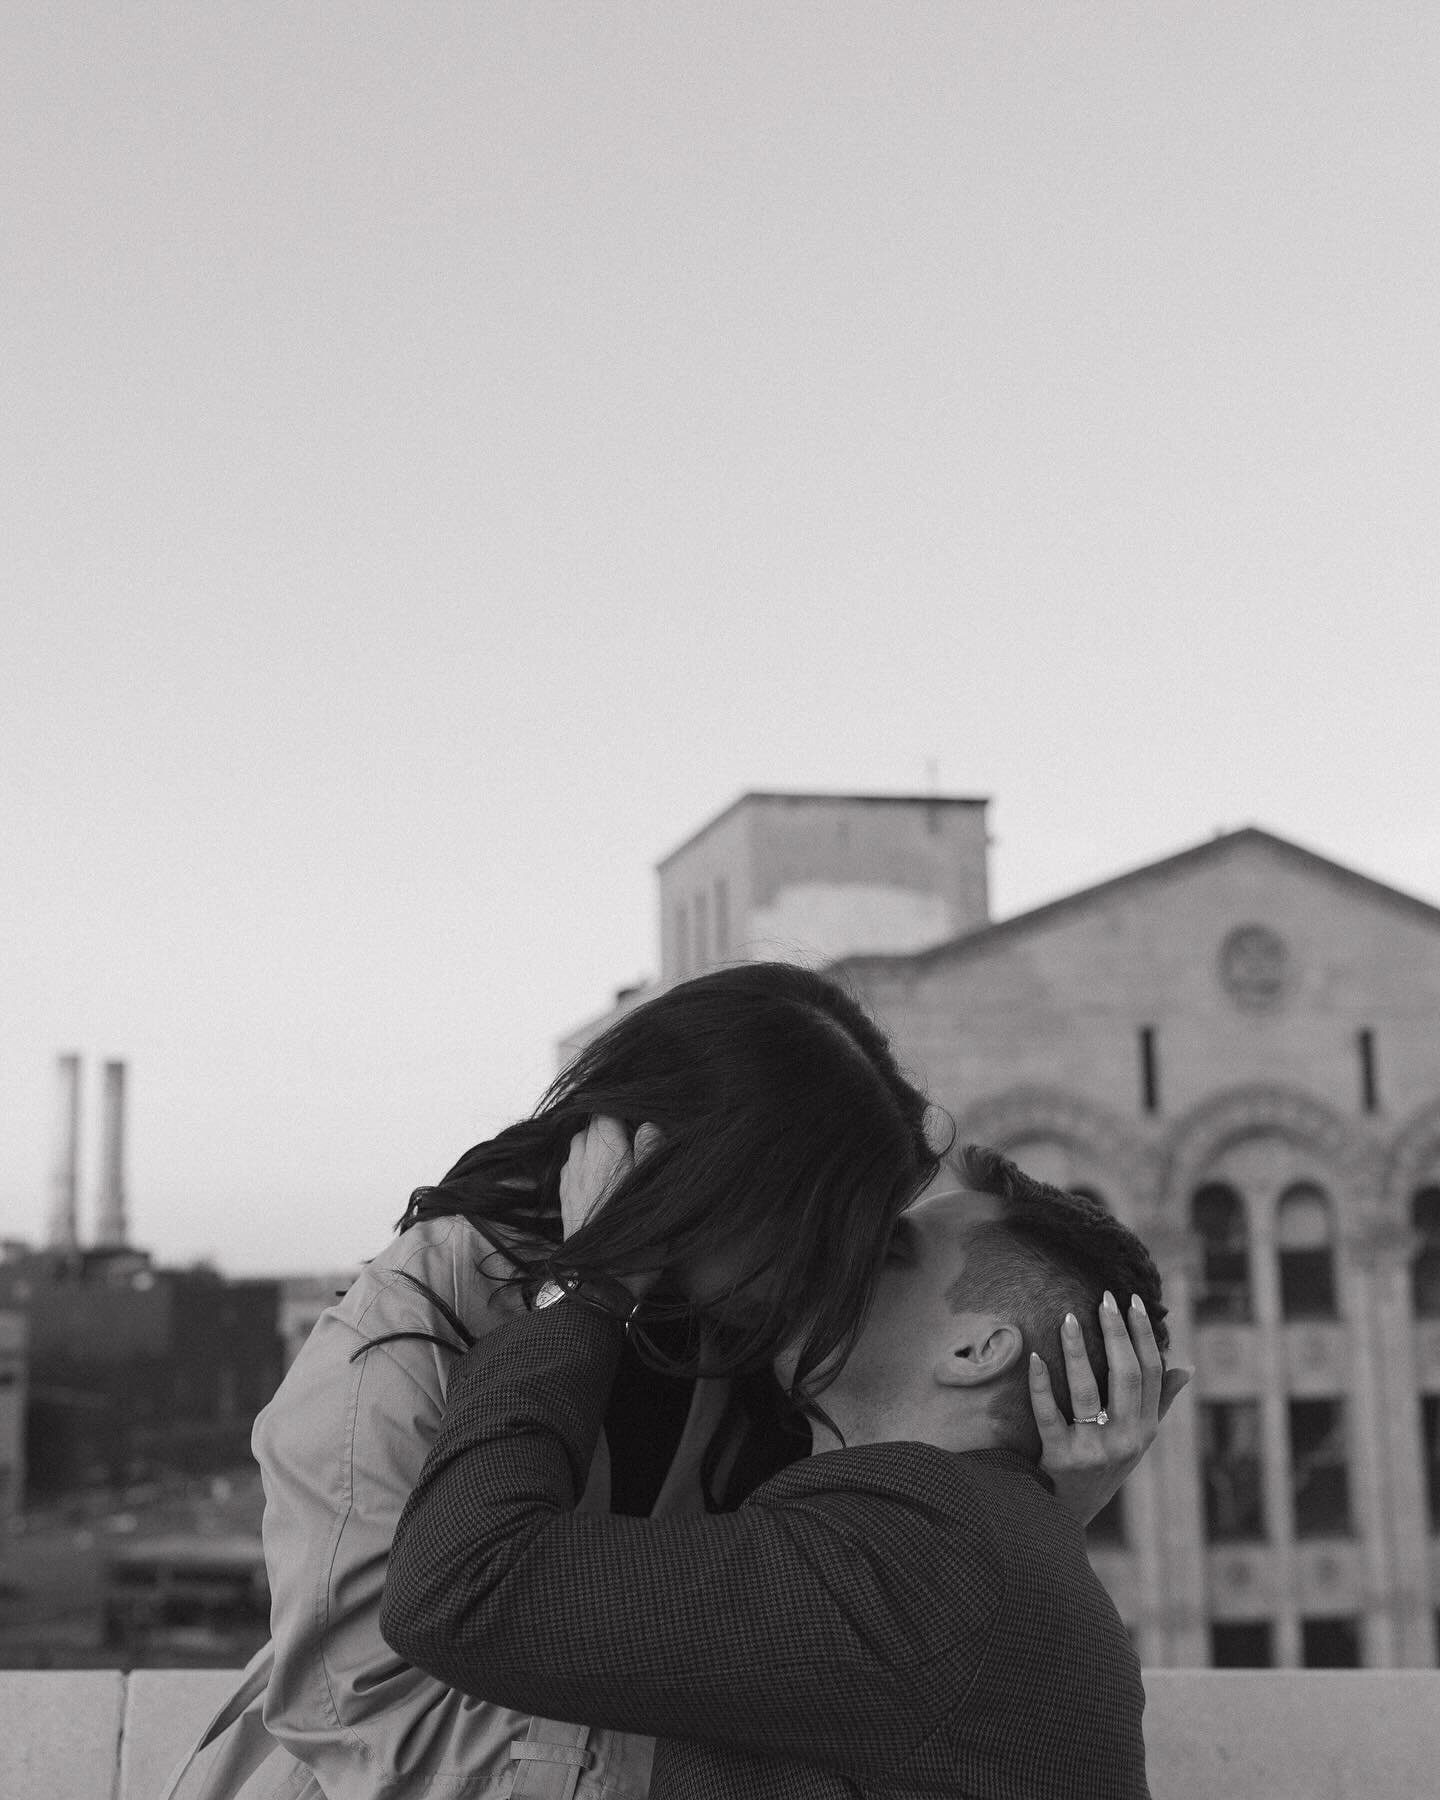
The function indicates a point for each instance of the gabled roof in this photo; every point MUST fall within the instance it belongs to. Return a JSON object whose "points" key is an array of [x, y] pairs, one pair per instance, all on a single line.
{"points": [[802, 797], [1083, 900]]}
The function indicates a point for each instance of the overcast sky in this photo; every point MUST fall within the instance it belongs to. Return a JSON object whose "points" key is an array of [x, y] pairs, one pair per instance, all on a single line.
{"points": [[453, 449]]}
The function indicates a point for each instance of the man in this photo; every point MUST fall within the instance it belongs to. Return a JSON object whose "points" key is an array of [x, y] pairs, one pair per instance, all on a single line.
{"points": [[912, 1613]]}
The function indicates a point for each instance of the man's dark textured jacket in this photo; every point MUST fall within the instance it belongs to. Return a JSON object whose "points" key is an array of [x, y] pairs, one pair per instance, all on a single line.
{"points": [[893, 1619]]}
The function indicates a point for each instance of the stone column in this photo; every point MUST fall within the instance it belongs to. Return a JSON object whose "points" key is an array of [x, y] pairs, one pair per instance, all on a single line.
{"points": [[1275, 1432], [1370, 1460], [1169, 1525], [1395, 1400]]}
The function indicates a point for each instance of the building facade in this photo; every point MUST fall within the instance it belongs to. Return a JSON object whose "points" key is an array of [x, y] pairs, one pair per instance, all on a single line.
{"points": [[1238, 1050], [813, 878], [13, 1372], [136, 1371]]}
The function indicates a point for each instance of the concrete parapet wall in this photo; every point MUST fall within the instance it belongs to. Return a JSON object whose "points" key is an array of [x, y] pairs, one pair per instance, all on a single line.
{"points": [[95, 1734], [1293, 1734], [1212, 1735]]}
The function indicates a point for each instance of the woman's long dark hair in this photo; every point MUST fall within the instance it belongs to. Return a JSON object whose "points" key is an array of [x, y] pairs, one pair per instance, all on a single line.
{"points": [[789, 1140]]}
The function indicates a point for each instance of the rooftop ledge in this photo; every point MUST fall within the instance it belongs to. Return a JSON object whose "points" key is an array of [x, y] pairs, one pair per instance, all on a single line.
{"points": [[1263, 1734]]}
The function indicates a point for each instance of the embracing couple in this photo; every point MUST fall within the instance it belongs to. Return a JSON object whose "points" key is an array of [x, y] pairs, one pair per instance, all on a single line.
{"points": [[716, 1431]]}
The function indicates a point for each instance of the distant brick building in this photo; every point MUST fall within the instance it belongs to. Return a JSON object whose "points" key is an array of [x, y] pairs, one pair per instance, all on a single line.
{"points": [[13, 1374], [137, 1371], [1238, 1049]]}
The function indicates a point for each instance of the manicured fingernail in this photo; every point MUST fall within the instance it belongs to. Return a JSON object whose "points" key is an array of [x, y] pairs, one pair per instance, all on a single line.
{"points": [[1072, 1324], [1035, 1363], [1138, 1305], [1108, 1302]]}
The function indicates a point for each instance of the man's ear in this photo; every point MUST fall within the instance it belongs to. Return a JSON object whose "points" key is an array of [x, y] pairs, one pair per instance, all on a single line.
{"points": [[979, 1349]]}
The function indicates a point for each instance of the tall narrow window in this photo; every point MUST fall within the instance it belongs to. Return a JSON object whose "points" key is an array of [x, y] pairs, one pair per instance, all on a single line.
{"points": [[1230, 1460], [1330, 1643], [1217, 1217], [1430, 1447], [1319, 1468], [702, 930], [682, 943], [1242, 1644], [1149, 1070], [722, 919], [1303, 1232], [1369, 1078], [1425, 1260]]}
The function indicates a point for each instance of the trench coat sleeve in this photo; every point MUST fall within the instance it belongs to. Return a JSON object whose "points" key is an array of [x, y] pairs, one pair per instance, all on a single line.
{"points": [[340, 1446], [806, 1625]]}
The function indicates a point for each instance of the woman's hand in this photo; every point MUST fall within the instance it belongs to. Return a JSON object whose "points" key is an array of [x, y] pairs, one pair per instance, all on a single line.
{"points": [[600, 1158], [1087, 1463]]}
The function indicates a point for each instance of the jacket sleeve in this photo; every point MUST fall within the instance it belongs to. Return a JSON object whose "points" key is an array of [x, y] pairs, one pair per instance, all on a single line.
{"points": [[340, 1447], [806, 1625]]}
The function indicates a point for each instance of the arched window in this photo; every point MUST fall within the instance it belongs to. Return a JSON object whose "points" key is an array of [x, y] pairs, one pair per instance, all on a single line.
{"points": [[1217, 1217], [1231, 1465], [1304, 1233], [1425, 1263]]}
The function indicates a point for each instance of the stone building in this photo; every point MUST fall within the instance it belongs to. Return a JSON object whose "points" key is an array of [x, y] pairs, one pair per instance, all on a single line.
{"points": [[1237, 1048], [812, 878]]}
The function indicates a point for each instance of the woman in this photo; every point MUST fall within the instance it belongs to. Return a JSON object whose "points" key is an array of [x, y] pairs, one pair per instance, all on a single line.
{"points": [[787, 1141]]}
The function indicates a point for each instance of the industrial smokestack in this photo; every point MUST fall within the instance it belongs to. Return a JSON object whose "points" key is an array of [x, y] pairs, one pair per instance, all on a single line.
{"points": [[110, 1228], [65, 1170]]}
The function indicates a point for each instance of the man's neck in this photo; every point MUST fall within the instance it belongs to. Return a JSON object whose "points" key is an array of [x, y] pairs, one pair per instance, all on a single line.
{"points": [[958, 1430]]}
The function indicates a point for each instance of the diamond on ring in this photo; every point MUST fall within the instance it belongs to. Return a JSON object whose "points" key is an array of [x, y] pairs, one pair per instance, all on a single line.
{"points": [[1100, 1418]]}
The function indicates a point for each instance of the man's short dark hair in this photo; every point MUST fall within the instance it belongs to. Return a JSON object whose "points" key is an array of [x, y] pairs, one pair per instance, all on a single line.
{"points": [[1050, 1253]]}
